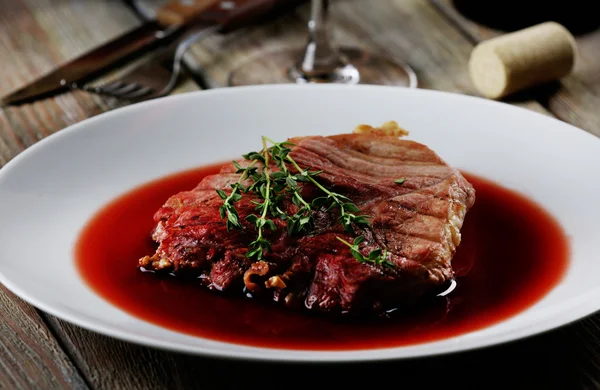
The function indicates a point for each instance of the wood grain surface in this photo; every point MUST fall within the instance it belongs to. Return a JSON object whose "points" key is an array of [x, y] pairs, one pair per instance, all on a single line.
{"points": [[30, 356], [43, 41], [574, 99], [41, 351]]}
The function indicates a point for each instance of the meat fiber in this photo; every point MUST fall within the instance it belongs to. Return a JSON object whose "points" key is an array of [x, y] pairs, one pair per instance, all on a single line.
{"points": [[418, 221]]}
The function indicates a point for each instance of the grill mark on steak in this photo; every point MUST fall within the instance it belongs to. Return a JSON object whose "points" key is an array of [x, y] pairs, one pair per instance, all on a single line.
{"points": [[401, 151], [344, 163], [348, 161], [418, 222]]}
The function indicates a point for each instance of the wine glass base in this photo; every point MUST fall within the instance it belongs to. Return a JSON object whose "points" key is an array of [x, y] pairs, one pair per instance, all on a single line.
{"points": [[344, 74], [280, 67]]}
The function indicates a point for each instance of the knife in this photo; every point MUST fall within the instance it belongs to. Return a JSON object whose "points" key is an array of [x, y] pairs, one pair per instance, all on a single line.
{"points": [[171, 20]]}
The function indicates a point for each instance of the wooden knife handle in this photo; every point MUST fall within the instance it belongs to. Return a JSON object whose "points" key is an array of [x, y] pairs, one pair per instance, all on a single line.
{"points": [[230, 14], [180, 12]]}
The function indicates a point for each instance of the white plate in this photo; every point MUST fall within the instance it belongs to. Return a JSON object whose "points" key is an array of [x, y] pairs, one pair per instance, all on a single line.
{"points": [[49, 191]]}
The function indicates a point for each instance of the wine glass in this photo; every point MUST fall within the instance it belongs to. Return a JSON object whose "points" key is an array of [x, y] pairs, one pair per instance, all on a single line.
{"points": [[320, 61]]}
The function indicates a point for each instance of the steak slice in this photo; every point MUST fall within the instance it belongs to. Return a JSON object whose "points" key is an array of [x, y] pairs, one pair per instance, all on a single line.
{"points": [[418, 222]]}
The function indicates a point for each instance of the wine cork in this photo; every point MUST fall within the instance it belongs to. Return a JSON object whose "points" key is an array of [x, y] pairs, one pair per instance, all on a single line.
{"points": [[512, 62]]}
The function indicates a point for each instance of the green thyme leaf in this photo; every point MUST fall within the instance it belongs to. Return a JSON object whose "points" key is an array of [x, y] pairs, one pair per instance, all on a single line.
{"points": [[358, 240], [270, 224], [252, 218], [222, 194], [376, 256], [351, 208]]}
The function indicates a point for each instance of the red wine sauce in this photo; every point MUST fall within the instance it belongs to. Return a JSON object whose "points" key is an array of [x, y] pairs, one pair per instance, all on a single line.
{"points": [[512, 254]]}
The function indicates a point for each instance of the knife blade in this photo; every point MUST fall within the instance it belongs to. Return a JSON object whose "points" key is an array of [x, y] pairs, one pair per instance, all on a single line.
{"points": [[171, 20]]}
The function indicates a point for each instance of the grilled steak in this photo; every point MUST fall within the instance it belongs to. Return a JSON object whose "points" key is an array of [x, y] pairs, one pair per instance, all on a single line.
{"points": [[417, 221]]}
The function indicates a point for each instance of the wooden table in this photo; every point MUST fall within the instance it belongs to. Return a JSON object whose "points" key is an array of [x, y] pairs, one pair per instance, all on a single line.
{"points": [[40, 351]]}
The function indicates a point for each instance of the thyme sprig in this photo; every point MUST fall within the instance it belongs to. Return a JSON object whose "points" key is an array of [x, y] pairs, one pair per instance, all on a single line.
{"points": [[272, 186], [376, 256], [228, 210], [302, 220], [260, 245], [347, 208]]}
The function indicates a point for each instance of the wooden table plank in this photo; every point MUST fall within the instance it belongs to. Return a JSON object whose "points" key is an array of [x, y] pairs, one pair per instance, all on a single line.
{"points": [[30, 356], [111, 364], [563, 359], [577, 97]]}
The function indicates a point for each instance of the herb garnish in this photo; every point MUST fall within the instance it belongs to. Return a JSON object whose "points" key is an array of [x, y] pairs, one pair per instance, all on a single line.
{"points": [[347, 208], [376, 256], [228, 209], [272, 188], [400, 181]]}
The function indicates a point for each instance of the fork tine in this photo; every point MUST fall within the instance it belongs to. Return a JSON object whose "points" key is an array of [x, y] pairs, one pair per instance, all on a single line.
{"points": [[139, 93], [110, 87], [150, 79], [125, 89]]}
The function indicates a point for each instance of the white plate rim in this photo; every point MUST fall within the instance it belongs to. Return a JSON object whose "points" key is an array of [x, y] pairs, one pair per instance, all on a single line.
{"points": [[572, 311]]}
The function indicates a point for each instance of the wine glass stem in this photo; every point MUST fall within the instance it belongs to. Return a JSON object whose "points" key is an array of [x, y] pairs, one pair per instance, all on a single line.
{"points": [[320, 55]]}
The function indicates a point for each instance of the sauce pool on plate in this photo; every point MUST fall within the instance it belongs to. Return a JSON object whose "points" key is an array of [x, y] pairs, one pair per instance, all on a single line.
{"points": [[512, 254]]}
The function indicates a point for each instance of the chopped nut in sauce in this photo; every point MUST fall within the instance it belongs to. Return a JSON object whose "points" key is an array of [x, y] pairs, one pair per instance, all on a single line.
{"points": [[275, 282]]}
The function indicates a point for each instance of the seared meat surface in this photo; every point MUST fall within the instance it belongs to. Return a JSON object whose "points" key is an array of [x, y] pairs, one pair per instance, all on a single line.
{"points": [[417, 221]]}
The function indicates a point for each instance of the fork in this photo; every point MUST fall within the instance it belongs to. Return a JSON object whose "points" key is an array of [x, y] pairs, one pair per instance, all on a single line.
{"points": [[152, 78]]}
